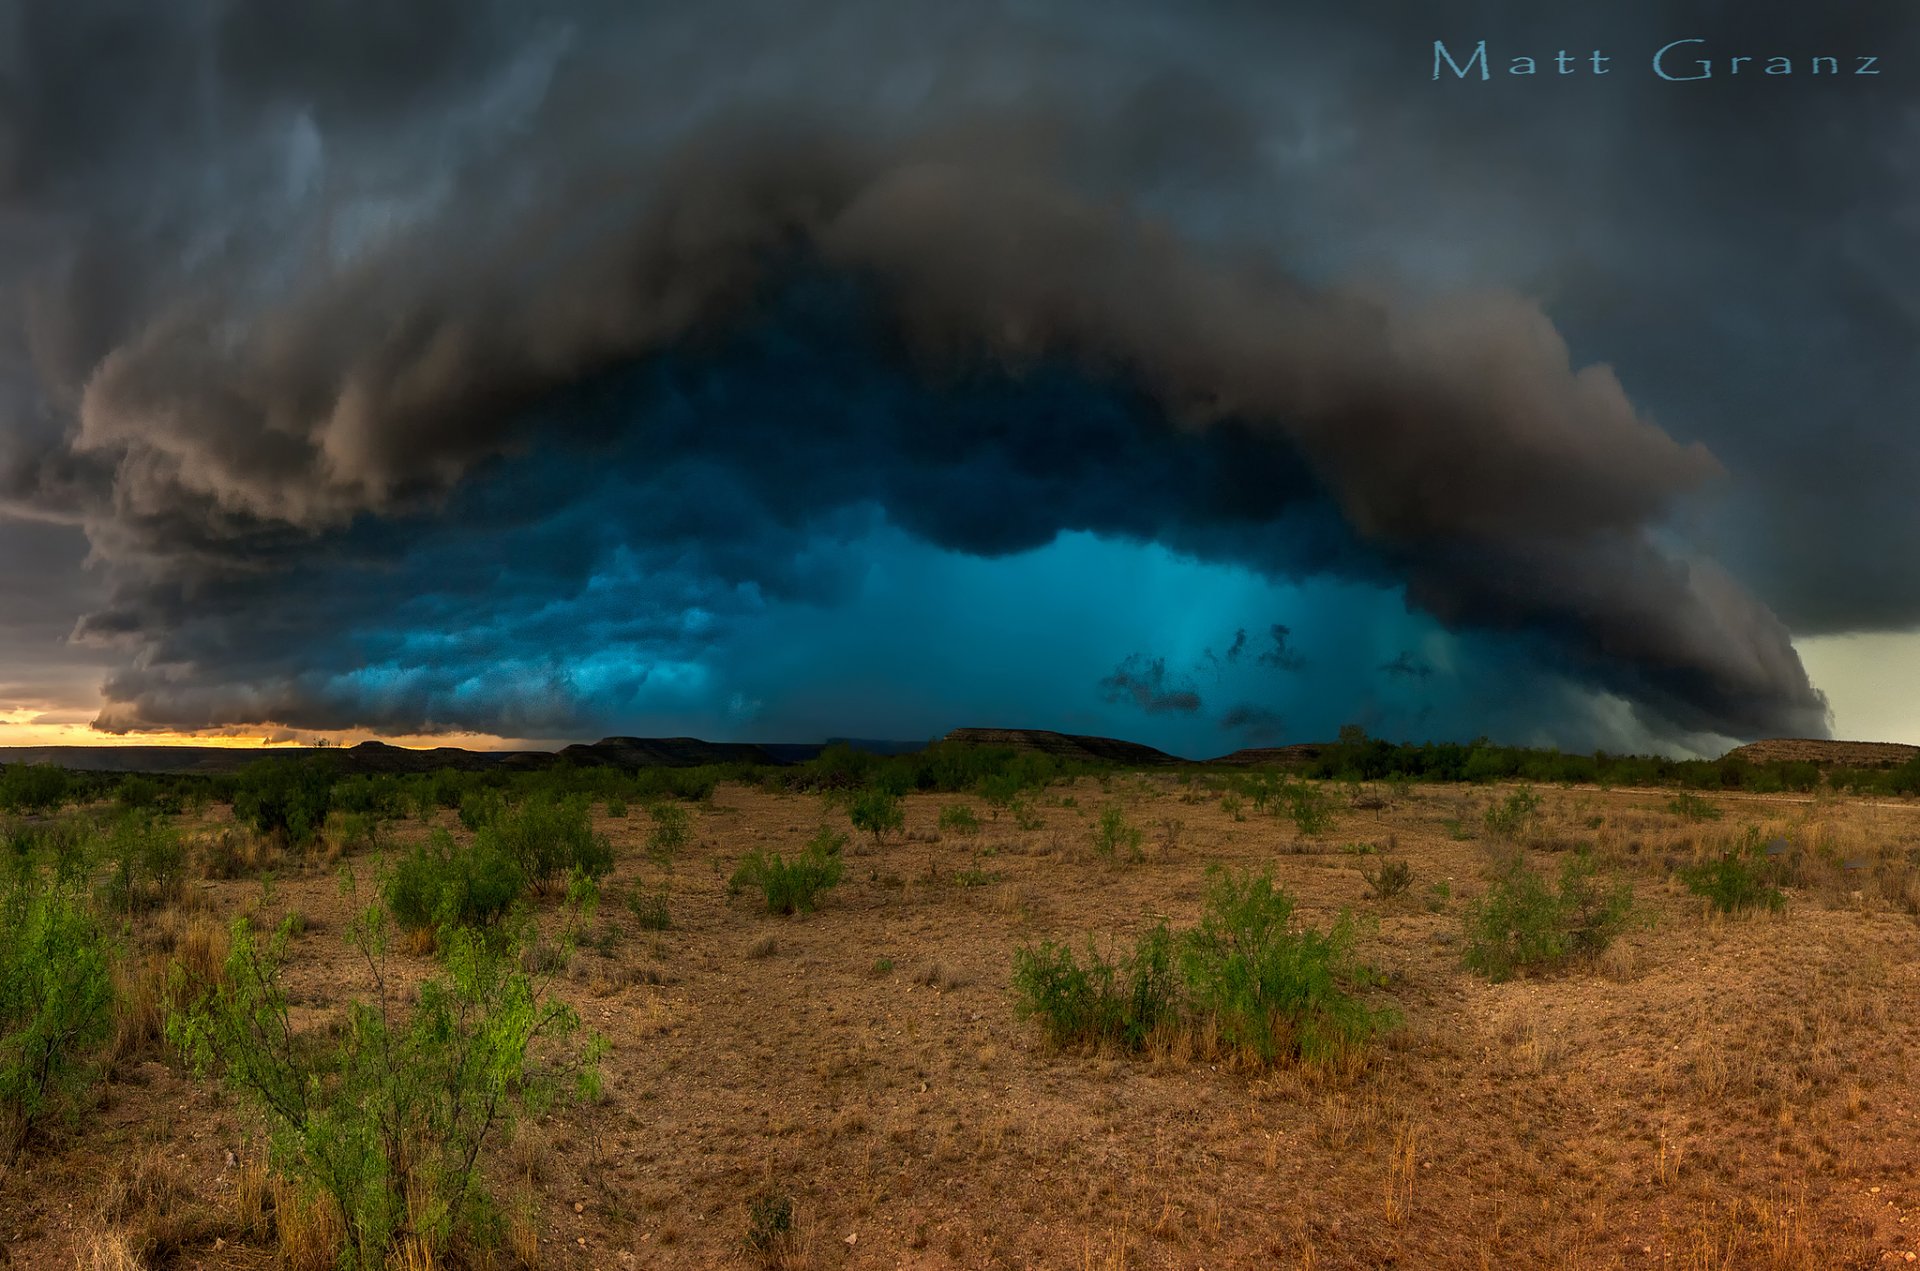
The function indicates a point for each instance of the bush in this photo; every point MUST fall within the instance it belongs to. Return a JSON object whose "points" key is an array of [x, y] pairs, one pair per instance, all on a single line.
{"points": [[480, 807], [439, 884], [792, 887], [1114, 839], [56, 1002], [1272, 992], [672, 831], [958, 818], [548, 838], [147, 862], [1390, 880], [1738, 881], [1245, 983], [284, 798], [1311, 810], [650, 909], [38, 787], [1129, 1001], [388, 1117], [1693, 808], [1514, 817], [876, 811], [1524, 923]]}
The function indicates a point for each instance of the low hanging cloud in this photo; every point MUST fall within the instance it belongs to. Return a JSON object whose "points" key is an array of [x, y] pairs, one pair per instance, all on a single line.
{"points": [[1281, 656], [1144, 682], [607, 378], [1405, 666], [1254, 725]]}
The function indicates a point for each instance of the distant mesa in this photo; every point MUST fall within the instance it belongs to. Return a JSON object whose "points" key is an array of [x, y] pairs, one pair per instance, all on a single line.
{"points": [[1064, 745], [1300, 755], [1827, 754]]}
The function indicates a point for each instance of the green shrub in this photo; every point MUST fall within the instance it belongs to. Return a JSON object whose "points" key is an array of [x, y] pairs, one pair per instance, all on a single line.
{"points": [[388, 1116], [549, 838], [284, 798], [958, 818], [480, 807], [650, 909], [1310, 808], [769, 1225], [1270, 991], [1116, 840], [672, 831], [1525, 923], [147, 861], [1514, 817], [56, 1002], [441, 884], [1233, 805], [876, 811], [1738, 881], [1245, 981], [1390, 880], [1693, 808], [791, 887], [38, 787], [1078, 1005], [617, 808]]}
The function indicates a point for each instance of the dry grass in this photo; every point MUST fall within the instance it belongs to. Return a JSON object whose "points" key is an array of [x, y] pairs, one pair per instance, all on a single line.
{"points": [[1711, 1092]]}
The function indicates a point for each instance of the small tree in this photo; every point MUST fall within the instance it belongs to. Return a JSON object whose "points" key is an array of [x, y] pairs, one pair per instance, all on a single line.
{"points": [[387, 1121], [56, 1001], [876, 811]]}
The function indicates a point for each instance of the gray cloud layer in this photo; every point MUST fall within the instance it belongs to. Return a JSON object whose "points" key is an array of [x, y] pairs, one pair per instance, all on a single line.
{"points": [[300, 274]]}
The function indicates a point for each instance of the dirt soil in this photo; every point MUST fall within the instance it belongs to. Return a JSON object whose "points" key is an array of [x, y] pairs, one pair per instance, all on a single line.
{"points": [[1712, 1093]]}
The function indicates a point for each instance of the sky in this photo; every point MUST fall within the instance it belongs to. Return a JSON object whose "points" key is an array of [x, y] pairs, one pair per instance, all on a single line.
{"points": [[1208, 374]]}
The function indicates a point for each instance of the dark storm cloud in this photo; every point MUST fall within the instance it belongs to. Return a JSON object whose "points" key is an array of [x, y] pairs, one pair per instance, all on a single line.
{"points": [[1254, 725], [297, 320], [1281, 656], [1144, 682], [1406, 666]]}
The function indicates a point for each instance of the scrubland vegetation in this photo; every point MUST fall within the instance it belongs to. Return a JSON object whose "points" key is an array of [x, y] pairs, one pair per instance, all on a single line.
{"points": [[1433, 1006]]}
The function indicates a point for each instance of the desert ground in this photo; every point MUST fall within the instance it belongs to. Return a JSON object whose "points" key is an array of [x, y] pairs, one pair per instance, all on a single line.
{"points": [[1710, 1092]]}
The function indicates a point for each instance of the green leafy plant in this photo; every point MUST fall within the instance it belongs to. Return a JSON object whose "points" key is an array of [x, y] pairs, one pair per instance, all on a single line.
{"points": [[387, 1118], [38, 787], [1115, 840], [1692, 807], [441, 884], [876, 811], [284, 798], [56, 1001], [1246, 983], [1512, 818], [146, 861], [1390, 880], [792, 887], [672, 831], [1524, 922], [650, 909], [549, 838], [1738, 880], [1310, 808], [958, 818]]}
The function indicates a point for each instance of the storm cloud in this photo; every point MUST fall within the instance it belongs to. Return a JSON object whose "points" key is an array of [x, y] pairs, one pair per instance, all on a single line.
{"points": [[484, 367]]}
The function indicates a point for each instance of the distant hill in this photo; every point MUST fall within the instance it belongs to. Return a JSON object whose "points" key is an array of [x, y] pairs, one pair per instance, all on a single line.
{"points": [[1065, 745], [1828, 754], [1296, 756], [374, 757]]}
